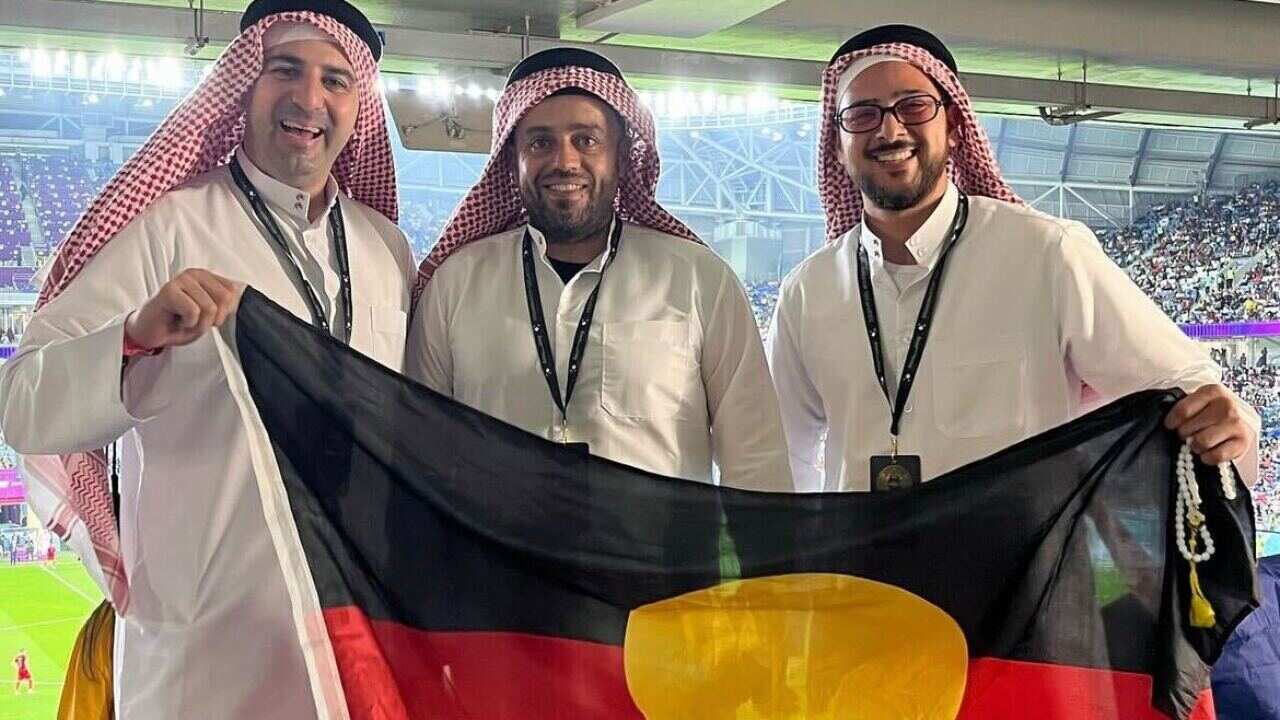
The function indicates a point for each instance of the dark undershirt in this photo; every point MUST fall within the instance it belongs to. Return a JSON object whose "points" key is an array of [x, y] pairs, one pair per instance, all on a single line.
{"points": [[566, 270]]}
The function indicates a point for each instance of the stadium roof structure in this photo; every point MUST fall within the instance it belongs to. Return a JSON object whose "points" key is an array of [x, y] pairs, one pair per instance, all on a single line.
{"points": [[1167, 68], [1182, 62]]}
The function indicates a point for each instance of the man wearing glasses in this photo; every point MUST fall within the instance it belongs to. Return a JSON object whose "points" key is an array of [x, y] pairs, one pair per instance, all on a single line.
{"points": [[945, 320]]}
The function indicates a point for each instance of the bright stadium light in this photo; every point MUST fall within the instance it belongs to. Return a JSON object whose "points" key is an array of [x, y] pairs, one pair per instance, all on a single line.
{"points": [[80, 67], [473, 91], [707, 102], [25, 55], [660, 102], [135, 71], [61, 63], [393, 84], [171, 73], [678, 104], [91, 99], [41, 64], [153, 71], [116, 67], [492, 94], [99, 69]]}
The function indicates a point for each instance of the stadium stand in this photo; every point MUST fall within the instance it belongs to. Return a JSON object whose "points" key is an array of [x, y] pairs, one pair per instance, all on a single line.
{"points": [[1209, 260]]}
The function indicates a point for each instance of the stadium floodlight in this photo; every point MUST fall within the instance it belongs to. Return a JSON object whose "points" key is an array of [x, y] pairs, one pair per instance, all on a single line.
{"points": [[25, 55], [80, 67], [492, 94], [760, 101], [681, 104], [707, 102], [474, 91], [424, 86], [61, 63], [660, 101], [41, 64], [91, 99], [99, 69], [116, 67], [393, 83], [135, 71], [171, 73]]}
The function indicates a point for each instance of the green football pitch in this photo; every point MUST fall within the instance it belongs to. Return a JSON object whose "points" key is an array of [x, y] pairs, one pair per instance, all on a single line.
{"points": [[41, 610]]}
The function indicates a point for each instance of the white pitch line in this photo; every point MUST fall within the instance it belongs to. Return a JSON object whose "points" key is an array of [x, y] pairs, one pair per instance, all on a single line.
{"points": [[74, 589], [10, 628]]}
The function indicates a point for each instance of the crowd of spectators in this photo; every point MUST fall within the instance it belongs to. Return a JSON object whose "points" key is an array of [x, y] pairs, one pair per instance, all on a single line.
{"points": [[1206, 260], [1209, 260]]}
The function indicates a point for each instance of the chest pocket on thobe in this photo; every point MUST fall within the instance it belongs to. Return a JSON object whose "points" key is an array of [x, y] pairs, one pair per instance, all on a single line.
{"points": [[978, 386], [648, 368], [379, 331]]}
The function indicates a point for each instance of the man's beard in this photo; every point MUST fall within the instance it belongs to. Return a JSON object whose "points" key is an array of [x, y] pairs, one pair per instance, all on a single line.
{"points": [[565, 225], [931, 168]]}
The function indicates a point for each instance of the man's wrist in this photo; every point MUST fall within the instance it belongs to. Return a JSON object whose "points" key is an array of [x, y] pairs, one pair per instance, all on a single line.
{"points": [[133, 348]]}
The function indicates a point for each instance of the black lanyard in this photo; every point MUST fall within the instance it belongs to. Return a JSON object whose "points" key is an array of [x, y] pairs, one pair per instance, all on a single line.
{"points": [[542, 341], [923, 323], [318, 316]]}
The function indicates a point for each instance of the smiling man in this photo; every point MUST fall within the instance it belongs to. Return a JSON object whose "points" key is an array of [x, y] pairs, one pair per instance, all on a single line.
{"points": [[945, 320], [563, 299], [276, 172]]}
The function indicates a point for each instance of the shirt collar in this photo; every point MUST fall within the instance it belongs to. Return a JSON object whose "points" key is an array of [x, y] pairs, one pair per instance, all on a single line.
{"points": [[286, 199], [925, 245], [540, 242]]}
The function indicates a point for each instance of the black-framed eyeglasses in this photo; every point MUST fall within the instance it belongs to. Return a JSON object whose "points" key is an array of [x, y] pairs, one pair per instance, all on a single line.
{"points": [[911, 110]]}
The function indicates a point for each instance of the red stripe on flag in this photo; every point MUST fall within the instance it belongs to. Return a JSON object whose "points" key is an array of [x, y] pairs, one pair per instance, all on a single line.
{"points": [[393, 672], [474, 675], [1014, 690]]}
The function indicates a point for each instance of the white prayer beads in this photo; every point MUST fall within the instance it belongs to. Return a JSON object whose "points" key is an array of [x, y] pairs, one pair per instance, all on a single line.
{"points": [[1187, 509]]}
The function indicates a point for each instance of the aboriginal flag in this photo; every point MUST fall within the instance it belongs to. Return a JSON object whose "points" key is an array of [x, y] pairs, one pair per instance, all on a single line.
{"points": [[443, 564]]}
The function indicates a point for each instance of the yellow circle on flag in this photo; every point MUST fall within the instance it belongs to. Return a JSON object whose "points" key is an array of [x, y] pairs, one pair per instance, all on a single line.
{"points": [[796, 647]]}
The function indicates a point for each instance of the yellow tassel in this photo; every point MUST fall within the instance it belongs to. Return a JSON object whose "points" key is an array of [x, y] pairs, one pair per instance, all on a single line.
{"points": [[1202, 615]]}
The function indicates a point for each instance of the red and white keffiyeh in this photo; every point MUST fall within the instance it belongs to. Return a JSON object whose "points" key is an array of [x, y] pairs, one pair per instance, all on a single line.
{"points": [[199, 135], [972, 166], [493, 205]]}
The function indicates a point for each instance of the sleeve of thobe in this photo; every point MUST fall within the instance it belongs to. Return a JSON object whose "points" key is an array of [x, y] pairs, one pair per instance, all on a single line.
{"points": [[1119, 341], [746, 430], [427, 355], [803, 417], [64, 390]]}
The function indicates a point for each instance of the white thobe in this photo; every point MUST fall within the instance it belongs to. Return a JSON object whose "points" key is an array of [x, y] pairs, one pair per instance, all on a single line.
{"points": [[1030, 310], [208, 633], [673, 376]]}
